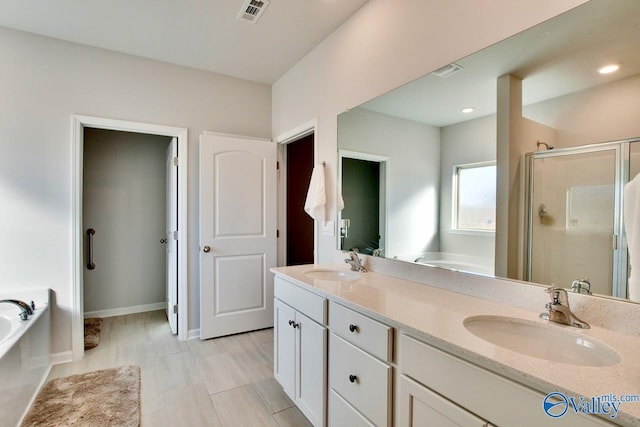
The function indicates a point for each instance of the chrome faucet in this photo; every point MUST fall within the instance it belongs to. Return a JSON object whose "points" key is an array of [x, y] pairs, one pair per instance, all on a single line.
{"points": [[559, 310], [581, 286], [27, 310], [355, 262]]}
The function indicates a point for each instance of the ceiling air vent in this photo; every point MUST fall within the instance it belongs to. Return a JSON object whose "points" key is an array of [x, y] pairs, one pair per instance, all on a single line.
{"points": [[252, 10], [447, 70]]}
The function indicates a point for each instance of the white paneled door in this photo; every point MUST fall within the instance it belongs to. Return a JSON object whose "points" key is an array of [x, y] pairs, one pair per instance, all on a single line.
{"points": [[237, 234]]}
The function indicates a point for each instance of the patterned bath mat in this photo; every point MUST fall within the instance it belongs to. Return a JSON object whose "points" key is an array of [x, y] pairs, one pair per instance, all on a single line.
{"points": [[110, 397], [92, 328]]}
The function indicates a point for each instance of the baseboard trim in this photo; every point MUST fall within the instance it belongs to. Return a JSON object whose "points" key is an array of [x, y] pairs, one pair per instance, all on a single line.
{"points": [[126, 310], [62, 357], [194, 334]]}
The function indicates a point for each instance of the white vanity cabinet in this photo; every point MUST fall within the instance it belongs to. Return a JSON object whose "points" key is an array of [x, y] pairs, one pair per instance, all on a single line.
{"points": [[360, 373], [434, 385], [420, 406], [300, 348]]}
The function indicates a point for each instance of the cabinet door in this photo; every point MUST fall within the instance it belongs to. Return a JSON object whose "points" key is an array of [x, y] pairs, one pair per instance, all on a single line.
{"points": [[284, 359], [312, 369], [419, 406]]}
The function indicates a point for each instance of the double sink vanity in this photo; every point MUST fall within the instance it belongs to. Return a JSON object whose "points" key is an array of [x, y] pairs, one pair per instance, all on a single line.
{"points": [[364, 348]]}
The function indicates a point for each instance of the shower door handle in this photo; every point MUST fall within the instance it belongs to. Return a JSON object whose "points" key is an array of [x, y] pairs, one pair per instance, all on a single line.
{"points": [[90, 264]]}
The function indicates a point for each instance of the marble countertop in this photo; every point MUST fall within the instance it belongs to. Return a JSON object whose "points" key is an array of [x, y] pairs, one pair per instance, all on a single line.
{"points": [[436, 316]]}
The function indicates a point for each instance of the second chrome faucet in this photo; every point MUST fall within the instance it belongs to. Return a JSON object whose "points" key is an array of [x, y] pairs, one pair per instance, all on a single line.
{"points": [[355, 262], [559, 311]]}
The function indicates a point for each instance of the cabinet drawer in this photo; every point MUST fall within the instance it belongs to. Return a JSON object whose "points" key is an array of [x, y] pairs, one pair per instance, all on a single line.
{"points": [[480, 391], [370, 335], [361, 379], [312, 305], [343, 414]]}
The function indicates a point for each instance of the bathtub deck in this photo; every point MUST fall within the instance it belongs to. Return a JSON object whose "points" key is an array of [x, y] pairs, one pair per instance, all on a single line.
{"points": [[220, 382]]}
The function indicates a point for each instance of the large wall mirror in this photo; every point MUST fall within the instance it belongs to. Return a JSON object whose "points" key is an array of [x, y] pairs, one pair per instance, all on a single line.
{"points": [[419, 166]]}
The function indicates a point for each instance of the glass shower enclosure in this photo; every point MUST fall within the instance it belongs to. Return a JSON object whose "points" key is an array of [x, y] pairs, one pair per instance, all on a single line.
{"points": [[574, 229]]}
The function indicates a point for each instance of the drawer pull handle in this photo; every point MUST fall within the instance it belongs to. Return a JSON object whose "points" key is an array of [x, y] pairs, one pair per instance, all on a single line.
{"points": [[353, 328], [353, 378]]}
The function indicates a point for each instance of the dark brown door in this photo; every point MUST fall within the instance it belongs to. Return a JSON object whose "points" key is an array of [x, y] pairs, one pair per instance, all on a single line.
{"points": [[299, 224]]}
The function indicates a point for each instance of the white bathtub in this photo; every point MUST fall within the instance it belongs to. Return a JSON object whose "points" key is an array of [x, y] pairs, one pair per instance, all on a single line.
{"points": [[459, 262], [24, 354]]}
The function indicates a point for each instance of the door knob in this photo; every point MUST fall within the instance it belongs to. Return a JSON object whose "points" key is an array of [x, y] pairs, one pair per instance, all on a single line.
{"points": [[163, 240], [206, 249]]}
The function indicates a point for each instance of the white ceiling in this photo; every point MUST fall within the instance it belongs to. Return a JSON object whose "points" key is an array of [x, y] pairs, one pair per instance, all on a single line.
{"points": [[555, 58], [202, 34]]}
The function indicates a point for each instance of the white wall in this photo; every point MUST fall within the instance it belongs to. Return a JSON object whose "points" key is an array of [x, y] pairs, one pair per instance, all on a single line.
{"points": [[413, 174], [124, 200], [382, 46], [467, 142], [43, 82], [608, 112]]}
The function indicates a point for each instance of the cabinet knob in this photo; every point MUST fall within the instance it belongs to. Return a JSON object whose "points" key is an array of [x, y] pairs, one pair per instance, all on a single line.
{"points": [[353, 378], [206, 249], [294, 324], [353, 328]]}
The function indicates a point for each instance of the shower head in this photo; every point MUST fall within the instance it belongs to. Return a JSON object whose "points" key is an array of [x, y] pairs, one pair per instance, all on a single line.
{"points": [[547, 146]]}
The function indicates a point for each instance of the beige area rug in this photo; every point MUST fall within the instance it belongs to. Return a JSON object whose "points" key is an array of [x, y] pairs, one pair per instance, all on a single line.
{"points": [[92, 328], [110, 397]]}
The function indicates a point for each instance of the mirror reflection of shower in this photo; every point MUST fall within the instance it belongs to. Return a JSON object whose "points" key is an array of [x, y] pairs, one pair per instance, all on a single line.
{"points": [[574, 217]]}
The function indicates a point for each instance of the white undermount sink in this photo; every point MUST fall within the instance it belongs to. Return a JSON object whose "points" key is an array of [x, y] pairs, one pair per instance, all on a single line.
{"points": [[333, 275], [549, 342]]}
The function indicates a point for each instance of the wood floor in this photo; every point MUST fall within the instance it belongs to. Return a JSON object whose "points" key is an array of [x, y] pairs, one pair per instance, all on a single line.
{"points": [[220, 382]]}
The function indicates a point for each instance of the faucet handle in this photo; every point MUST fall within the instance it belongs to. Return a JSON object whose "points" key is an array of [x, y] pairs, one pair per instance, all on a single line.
{"points": [[558, 295]]}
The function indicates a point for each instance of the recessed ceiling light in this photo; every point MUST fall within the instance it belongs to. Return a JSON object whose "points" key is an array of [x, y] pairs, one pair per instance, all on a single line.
{"points": [[608, 69], [467, 110]]}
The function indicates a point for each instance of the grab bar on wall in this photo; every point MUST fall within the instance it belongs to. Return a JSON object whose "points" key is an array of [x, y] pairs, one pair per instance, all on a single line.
{"points": [[90, 264]]}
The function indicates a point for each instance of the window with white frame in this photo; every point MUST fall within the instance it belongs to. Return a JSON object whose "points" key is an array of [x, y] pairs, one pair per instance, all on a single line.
{"points": [[474, 197]]}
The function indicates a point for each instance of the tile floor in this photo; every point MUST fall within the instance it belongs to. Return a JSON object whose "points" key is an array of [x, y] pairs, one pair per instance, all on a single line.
{"points": [[220, 382]]}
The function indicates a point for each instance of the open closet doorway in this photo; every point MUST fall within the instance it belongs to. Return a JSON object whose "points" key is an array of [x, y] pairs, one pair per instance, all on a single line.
{"points": [[299, 225], [298, 232], [129, 216]]}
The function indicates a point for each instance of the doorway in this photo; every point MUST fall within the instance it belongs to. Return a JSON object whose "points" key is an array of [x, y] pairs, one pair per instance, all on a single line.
{"points": [[362, 222], [299, 225], [125, 215], [81, 251]]}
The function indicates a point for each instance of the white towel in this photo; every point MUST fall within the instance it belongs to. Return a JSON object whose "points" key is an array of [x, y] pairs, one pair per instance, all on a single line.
{"points": [[632, 226], [340, 202], [316, 196]]}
